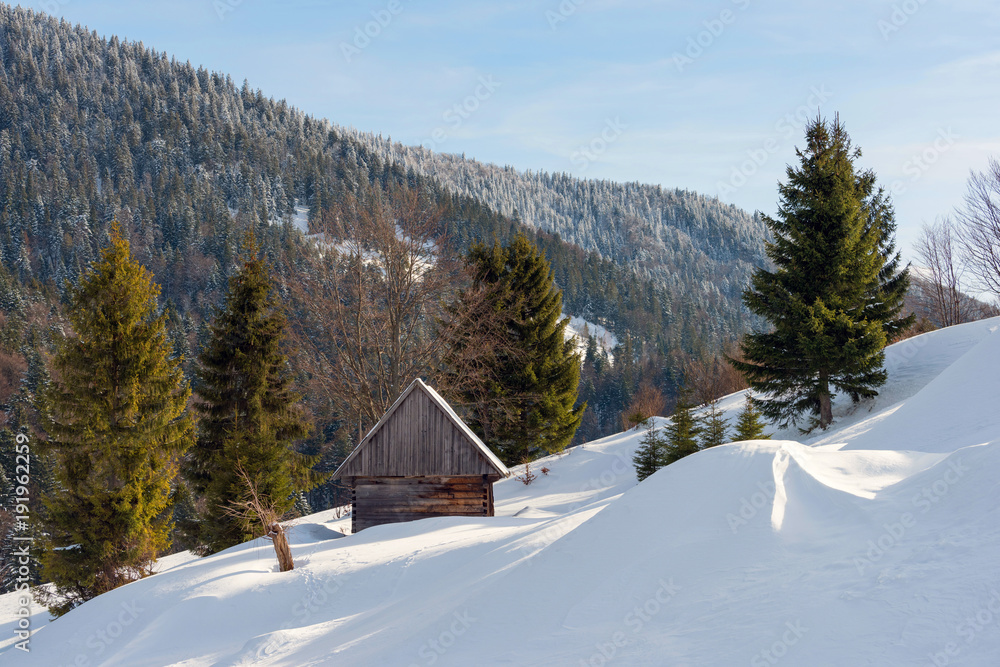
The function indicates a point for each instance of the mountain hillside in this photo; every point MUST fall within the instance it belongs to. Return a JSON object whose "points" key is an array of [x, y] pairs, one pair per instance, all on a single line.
{"points": [[95, 129], [871, 544], [691, 244]]}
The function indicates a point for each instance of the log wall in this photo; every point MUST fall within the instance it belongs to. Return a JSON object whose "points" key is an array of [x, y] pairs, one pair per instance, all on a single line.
{"points": [[378, 500]]}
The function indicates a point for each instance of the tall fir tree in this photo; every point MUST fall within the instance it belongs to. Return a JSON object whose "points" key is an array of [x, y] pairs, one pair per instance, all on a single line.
{"points": [[650, 456], [835, 294], [249, 417], [682, 433], [713, 426], [748, 423], [115, 417], [537, 379]]}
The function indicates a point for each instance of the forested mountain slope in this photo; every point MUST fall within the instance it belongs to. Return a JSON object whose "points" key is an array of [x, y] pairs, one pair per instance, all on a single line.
{"points": [[692, 245], [94, 129]]}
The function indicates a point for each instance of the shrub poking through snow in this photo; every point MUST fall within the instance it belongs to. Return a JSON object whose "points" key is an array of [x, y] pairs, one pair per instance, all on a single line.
{"points": [[528, 477]]}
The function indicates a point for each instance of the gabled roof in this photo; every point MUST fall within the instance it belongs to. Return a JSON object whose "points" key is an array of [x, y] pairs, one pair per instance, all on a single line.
{"points": [[437, 445]]}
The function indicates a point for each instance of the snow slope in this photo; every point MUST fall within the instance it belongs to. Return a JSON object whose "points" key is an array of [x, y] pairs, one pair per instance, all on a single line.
{"points": [[874, 543], [580, 330]]}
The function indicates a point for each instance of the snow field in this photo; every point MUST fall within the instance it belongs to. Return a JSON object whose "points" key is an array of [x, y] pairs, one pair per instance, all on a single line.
{"points": [[874, 543]]}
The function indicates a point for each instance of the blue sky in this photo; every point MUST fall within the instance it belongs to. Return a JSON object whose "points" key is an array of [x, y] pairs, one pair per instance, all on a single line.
{"points": [[706, 96]]}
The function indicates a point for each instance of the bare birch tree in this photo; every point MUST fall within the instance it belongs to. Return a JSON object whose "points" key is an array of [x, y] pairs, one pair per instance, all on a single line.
{"points": [[377, 312], [940, 288], [979, 227], [372, 301]]}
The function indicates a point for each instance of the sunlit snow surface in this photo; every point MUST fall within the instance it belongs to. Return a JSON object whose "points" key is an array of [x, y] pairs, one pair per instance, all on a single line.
{"points": [[874, 543]]}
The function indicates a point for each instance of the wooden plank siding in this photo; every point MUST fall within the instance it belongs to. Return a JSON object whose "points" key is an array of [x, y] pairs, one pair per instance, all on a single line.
{"points": [[418, 439], [419, 461], [379, 500]]}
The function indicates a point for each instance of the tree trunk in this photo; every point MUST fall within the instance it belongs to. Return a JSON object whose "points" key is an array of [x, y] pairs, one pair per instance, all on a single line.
{"points": [[281, 549], [825, 406], [825, 411]]}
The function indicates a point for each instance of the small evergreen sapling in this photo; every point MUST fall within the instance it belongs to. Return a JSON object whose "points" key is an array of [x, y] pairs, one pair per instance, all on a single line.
{"points": [[527, 477], [714, 426], [682, 433], [651, 453], [748, 423]]}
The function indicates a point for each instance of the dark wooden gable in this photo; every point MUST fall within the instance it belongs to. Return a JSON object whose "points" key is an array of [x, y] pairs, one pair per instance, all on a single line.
{"points": [[421, 436]]}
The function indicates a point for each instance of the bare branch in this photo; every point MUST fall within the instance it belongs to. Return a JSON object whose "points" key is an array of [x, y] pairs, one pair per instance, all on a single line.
{"points": [[371, 307], [979, 227], [712, 378], [254, 509], [940, 291]]}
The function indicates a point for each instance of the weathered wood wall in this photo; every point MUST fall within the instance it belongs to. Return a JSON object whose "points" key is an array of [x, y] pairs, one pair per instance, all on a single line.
{"points": [[378, 500], [418, 439]]}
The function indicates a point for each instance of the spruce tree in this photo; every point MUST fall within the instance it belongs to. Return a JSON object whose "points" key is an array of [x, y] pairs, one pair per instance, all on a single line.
{"points": [[682, 433], [650, 456], [537, 378], [249, 415], [115, 417], [713, 426], [834, 296], [748, 424]]}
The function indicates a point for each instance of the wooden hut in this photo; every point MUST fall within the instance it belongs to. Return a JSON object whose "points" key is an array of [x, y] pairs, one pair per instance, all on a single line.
{"points": [[419, 461]]}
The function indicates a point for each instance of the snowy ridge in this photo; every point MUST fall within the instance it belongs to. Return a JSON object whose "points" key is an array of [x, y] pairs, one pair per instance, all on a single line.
{"points": [[874, 543]]}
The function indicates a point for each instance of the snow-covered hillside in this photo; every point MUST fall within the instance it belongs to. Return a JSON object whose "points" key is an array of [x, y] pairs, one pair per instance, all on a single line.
{"points": [[580, 331], [874, 543]]}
